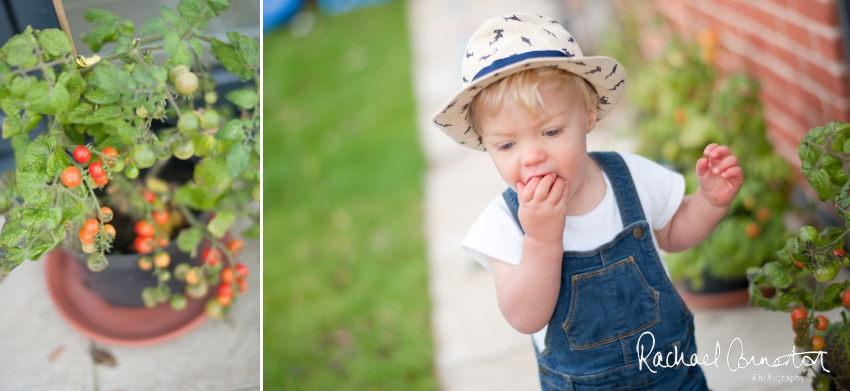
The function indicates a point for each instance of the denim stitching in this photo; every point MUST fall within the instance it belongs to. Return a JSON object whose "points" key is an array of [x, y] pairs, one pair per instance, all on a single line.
{"points": [[630, 261]]}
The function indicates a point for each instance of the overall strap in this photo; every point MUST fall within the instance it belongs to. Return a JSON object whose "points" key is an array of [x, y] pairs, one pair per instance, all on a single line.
{"points": [[510, 197], [618, 173]]}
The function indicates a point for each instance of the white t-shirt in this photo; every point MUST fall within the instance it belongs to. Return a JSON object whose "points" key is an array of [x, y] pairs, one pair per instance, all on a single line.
{"points": [[496, 234]]}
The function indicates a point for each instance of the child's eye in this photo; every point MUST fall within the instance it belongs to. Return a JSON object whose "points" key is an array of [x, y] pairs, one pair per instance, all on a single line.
{"points": [[552, 132], [505, 146]]}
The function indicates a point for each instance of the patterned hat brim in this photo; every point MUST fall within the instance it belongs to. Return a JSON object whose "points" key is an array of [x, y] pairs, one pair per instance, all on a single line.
{"points": [[605, 74]]}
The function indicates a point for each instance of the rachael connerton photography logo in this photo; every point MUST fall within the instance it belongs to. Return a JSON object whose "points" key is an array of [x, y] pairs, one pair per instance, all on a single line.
{"points": [[779, 378], [660, 360]]}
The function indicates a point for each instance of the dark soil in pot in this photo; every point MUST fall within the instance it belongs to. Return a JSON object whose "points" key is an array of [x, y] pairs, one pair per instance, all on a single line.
{"points": [[714, 285]]}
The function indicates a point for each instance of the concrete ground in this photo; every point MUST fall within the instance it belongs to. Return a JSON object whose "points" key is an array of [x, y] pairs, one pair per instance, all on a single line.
{"points": [[39, 350], [476, 349]]}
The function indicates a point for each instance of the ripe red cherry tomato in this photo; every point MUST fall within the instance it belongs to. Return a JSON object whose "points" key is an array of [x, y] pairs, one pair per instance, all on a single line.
{"points": [[71, 177], [822, 323], [144, 228], [798, 314], [85, 237], [225, 290], [839, 252], [241, 286], [143, 244], [96, 170], [241, 270], [149, 195], [92, 226], [101, 180], [161, 217], [213, 257], [845, 298], [82, 154]]}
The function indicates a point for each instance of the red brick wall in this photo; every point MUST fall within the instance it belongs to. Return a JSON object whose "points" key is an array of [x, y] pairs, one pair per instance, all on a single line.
{"points": [[793, 47]]}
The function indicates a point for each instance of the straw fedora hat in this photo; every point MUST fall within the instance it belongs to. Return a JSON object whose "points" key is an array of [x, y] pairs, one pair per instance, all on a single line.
{"points": [[516, 42]]}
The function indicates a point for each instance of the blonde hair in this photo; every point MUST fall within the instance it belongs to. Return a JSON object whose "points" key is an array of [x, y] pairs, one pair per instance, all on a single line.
{"points": [[523, 89]]}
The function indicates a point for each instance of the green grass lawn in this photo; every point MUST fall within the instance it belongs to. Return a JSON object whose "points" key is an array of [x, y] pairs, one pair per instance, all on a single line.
{"points": [[346, 305]]}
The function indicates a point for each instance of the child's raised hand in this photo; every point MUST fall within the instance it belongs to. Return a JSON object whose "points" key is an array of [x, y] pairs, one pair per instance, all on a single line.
{"points": [[543, 207], [720, 176]]}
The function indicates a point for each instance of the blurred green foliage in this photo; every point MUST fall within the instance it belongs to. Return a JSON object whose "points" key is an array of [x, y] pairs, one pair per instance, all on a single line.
{"points": [[683, 106], [346, 304]]}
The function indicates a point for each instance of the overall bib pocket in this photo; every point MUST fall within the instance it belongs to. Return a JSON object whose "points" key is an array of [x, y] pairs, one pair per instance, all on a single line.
{"points": [[610, 303]]}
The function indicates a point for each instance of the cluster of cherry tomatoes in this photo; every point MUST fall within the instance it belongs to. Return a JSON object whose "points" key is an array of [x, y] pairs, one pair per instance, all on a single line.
{"points": [[232, 279], [800, 323], [92, 227], [71, 176]]}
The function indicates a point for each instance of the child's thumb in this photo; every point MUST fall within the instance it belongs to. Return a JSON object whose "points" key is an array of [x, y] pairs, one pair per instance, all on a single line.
{"points": [[519, 187]]}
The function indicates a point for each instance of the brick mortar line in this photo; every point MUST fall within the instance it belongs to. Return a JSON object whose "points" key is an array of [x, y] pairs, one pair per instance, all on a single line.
{"points": [[791, 16], [778, 39], [743, 48]]}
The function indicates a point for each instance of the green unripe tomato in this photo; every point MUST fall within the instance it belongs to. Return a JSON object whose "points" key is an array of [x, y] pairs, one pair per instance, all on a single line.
{"points": [[131, 172], [96, 262], [198, 290], [130, 67], [173, 73], [820, 383], [827, 273], [149, 296], [180, 270], [186, 83], [807, 234], [162, 295], [142, 112], [157, 112], [178, 302], [210, 98], [165, 276], [189, 124], [183, 150], [214, 309], [162, 152], [143, 156], [211, 119], [118, 166]]}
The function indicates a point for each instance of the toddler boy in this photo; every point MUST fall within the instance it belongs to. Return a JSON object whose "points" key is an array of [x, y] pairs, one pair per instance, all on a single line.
{"points": [[572, 242]]}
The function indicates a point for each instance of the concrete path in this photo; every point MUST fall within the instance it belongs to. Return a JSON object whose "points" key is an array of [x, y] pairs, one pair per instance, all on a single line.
{"points": [[476, 349], [39, 350]]}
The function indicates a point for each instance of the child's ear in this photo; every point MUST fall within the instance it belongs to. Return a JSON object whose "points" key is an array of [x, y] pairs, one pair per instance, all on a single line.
{"points": [[591, 118]]}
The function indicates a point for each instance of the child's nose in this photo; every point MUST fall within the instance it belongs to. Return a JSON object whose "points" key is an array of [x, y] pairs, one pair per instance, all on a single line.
{"points": [[532, 156]]}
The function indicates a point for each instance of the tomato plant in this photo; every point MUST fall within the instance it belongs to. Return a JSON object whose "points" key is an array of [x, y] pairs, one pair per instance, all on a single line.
{"points": [[137, 108]]}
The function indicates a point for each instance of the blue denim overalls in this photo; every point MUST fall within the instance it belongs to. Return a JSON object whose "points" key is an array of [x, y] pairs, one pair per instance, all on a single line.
{"points": [[610, 298]]}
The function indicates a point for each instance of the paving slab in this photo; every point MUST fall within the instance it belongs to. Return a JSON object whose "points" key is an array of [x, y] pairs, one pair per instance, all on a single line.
{"points": [[40, 351], [476, 349]]}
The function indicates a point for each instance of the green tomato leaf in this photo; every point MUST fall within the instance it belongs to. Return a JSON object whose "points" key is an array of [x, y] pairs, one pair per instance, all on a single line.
{"points": [[12, 126], [245, 99], [182, 56], [41, 218], [54, 42], [237, 159], [196, 45], [174, 19], [73, 82], [172, 41], [188, 239], [110, 78], [19, 50], [211, 173], [232, 130], [154, 26], [820, 181], [57, 162], [47, 99], [100, 96], [197, 197], [777, 275], [128, 133], [19, 145], [222, 221], [70, 213], [82, 114], [241, 57], [195, 12]]}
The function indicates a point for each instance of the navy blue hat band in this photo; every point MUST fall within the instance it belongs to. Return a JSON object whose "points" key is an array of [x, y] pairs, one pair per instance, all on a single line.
{"points": [[499, 64]]}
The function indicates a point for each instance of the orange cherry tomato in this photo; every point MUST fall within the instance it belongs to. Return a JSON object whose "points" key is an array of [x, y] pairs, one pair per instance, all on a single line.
{"points": [[71, 177], [91, 226], [224, 300], [143, 244], [109, 231], [107, 213], [111, 154], [241, 286], [817, 342], [227, 275], [798, 314], [162, 240], [160, 217], [162, 260], [144, 228], [235, 246], [85, 237], [149, 195]]}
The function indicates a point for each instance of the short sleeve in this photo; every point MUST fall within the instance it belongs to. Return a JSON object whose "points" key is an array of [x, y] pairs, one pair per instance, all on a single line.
{"points": [[660, 189], [494, 234]]}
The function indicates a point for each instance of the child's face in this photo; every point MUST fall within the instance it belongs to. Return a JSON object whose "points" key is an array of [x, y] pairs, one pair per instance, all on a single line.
{"points": [[523, 147]]}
